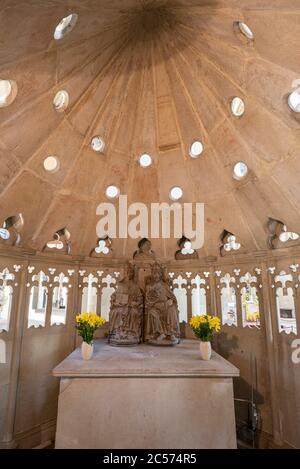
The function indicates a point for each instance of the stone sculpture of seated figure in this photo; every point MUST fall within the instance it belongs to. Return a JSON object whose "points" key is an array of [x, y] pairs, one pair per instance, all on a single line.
{"points": [[161, 311], [126, 313]]}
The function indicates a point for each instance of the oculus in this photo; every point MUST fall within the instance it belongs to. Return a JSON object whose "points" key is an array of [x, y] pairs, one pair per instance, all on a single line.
{"points": [[288, 235], [65, 26], [279, 232], [103, 246], [11, 229], [229, 243], [112, 192], [145, 160], [8, 92], [240, 170], [51, 164], [176, 193], [61, 240], [61, 101], [196, 149], [4, 233], [245, 30], [185, 250], [97, 144], [294, 101], [237, 107], [55, 244]]}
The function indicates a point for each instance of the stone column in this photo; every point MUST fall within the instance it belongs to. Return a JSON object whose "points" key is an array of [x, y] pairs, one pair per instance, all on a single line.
{"points": [[271, 343]]}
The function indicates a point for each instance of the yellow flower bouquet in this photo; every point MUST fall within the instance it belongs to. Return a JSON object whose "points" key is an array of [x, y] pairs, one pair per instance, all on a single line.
{"points": [[87, 324], [205, 326]]}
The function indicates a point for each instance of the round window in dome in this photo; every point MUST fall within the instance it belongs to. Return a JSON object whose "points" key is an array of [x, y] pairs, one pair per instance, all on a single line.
{"points": [[145, 160], [65, 26], [8, 92], [237, 107], [97, 144], [51, 164], [4, 233], [245, 30], [196, 149], [240, 170], [61, 101], [55, 244], [112, 192], [288, 236], [176, 193], [294, 101]]}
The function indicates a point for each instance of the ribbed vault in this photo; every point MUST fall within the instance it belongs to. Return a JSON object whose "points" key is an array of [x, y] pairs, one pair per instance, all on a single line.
{"points": [[150, 76]]}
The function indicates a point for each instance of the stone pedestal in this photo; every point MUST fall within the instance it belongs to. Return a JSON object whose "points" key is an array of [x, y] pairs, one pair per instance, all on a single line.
{"points": [[145, 397]]}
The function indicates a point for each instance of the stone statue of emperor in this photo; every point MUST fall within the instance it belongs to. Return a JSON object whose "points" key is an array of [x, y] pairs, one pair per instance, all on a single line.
{"points": [[161, 325]]}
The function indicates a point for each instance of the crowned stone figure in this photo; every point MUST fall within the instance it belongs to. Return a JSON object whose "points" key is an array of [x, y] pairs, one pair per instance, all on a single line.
{"points": [[126, 312], [161, 311]]}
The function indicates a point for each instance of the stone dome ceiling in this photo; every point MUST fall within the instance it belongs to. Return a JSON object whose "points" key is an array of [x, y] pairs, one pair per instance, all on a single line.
{"points": [[150, 76]]}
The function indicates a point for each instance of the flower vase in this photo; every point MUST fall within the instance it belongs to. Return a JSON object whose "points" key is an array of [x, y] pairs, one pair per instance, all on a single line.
{"points": [[205, 350], [87, 350]]}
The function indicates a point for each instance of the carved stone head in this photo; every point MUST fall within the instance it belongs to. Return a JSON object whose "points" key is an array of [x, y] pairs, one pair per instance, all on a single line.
{"points": [[157, 273], [128, 272]]}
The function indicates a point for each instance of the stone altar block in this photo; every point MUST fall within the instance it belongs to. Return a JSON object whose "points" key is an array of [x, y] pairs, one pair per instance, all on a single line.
{"points": [[145, 397]]}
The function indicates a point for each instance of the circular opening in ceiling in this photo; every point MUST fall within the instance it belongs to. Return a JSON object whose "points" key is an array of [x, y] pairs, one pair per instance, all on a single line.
{"points": [[4, 233], [65, 26], [287, 236], [145, 160], [51, 164], [61, 101], [245, 30], [237, 107], [8, 92], [196, 149], [97, 144], [240, 170], [112, 192], [176, 193], [294, 101], [55, 244]]}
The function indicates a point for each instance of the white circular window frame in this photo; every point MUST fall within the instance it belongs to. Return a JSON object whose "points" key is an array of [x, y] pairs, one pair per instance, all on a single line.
{"points": [[294, 101], [51, 164], [8, 92], [55, 244], [176, 193], [196, 149], [236, 173], [65, 26], [145, 160], [4, 233], [97, 144], [112, 192], [245, 30], [237, 106], [61, 101]]}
